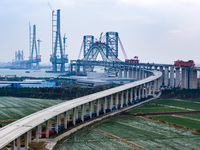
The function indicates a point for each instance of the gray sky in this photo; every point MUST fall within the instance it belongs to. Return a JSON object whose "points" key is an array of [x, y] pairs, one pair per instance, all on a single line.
{"points": [[159, 31]]}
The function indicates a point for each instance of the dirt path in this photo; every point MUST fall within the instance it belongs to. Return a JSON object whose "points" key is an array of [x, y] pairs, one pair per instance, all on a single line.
{"points": [[166, 113], [8, 120], [119, 139]]}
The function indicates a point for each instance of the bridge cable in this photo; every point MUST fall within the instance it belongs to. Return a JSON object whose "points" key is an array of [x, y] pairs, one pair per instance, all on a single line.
{"points": [[80, 51], [123, 51]]}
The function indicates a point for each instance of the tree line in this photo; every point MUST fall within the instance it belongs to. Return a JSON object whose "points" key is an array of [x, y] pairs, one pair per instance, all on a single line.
{"points": [[183, 93], [52, 93]]}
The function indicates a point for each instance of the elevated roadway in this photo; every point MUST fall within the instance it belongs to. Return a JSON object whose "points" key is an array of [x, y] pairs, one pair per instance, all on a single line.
{"points": [[14, 130]]}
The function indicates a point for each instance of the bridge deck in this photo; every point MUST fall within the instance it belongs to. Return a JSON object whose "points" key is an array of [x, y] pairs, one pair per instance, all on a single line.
{"points": [[18, 128]]}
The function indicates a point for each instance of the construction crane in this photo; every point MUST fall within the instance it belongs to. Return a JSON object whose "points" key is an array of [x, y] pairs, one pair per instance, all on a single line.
{"points": [[64, 39]]}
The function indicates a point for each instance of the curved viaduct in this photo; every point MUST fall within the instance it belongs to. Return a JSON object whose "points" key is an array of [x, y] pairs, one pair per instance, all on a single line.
{"points": [[118, 96]]}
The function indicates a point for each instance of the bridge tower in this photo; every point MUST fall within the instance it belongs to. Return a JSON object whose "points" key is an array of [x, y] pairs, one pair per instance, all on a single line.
{"points": [[108, 49], [33, 49], [58, 56], [88, 40], [112, 45]]}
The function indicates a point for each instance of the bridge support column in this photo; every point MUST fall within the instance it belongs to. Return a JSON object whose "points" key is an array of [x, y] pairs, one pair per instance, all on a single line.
{"points": [[139, 92], [56, 124], [105, 105], [130, 73], [162, 77], [90, 109], [146, 90], [13, 145], [154, 86], [155, 67], [82, 112], [120, 73], [131, 97], [30, 135], [50, 124], [136, 72], [192, 78], [26, 140], [59, 119], [65, 119], [74, 116], [122, 99], [40, 131], [143, 73], [139, 73], [159, 83], [117, 100], [135, 93], [125, 72], [76, 112], [47, 129], [127, 93], [97, 107], [111, 102], [85, 109], [37, 134], [172, 76], [166, 76], [150, 86], [184, 79], [18, 143], [133, 74], [177, 77], [142, 90]]}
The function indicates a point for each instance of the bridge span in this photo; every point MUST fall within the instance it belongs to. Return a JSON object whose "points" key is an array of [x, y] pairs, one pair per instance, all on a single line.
{"points": [[173, 76], [114, 97]]}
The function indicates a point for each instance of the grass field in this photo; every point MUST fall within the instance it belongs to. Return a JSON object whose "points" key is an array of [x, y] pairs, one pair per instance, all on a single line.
{"points": [[180, 121], [147, 108], [187, 105], [193, 100], [138, 131], [16, 108], [195, 116]]}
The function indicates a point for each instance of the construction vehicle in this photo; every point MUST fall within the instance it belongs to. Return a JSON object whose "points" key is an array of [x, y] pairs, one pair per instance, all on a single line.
{"points": [[135, 60], [184, 64]]}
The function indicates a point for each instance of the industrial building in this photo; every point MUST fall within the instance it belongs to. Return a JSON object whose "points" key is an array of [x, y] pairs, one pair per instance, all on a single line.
{"points": [[27, 83], [95, 79]]}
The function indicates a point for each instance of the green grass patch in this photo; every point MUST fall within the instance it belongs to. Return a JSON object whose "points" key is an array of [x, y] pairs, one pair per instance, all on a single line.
{"points": [[176, 103], [16, 108], [152, 110], [148, 108], [180, 121], [193, 100], [142, 132], [195, 116]]}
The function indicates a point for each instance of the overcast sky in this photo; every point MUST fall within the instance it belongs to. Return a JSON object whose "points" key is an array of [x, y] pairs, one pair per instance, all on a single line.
{"points": [[159, 31]]}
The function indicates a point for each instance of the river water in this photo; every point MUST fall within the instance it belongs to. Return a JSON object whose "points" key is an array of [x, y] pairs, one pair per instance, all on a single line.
{"points": [[33, 73]]}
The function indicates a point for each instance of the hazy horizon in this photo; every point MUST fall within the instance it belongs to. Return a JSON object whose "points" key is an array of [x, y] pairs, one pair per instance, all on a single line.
{"points": [[157, 31]]}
